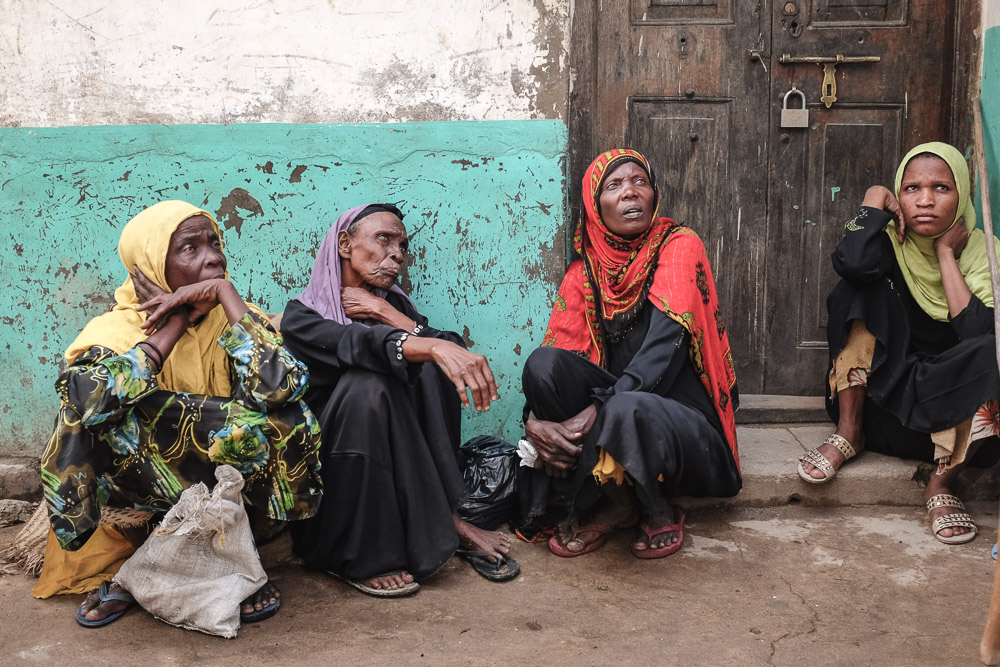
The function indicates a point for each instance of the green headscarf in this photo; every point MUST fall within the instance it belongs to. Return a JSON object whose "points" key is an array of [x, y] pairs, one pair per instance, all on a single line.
{"points": [[916, 256]]}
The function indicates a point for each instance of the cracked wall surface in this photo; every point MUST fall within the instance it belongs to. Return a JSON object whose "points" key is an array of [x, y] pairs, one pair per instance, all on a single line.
{"points": [[276, 117], [484, 206], [113, 62]]}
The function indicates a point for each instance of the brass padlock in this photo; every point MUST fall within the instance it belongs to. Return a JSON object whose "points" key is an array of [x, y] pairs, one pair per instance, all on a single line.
{"points": [[794, 117]]}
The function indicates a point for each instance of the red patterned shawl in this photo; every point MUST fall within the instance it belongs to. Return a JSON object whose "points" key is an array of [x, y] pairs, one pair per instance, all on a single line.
{"points": [[683, 289]]}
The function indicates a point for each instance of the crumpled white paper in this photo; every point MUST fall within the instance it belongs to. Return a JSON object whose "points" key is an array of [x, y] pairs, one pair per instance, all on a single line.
{"points": [[527, 452]]}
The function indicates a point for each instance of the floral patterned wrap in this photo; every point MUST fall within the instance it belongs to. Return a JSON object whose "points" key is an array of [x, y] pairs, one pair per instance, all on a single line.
{"points": [[121, 440]]}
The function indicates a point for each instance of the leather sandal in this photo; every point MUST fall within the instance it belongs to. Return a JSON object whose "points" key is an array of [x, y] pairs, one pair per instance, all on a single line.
{"points": [[960, 519], [814, 457]]}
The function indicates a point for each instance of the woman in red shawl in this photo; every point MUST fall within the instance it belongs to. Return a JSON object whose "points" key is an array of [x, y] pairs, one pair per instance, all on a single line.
{"points": [[630, 399]]}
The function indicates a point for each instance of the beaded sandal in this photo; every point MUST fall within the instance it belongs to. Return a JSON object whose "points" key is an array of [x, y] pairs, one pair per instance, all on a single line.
{"points": [[814, 457], [955, 520]]}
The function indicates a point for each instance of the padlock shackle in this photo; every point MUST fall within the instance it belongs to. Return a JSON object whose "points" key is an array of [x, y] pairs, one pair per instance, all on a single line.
{"points": [[784, 100]]}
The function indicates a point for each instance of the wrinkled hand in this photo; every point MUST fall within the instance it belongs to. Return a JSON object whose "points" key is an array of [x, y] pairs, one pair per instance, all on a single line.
{"points": [[880, 197], [555, 443], [145, 289], [360, 304], [196, 300], [953, 240], [467, 369]]}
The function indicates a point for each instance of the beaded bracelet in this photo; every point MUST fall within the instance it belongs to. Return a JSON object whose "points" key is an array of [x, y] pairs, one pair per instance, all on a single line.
{"points": [[417, 329], [399, 345]]}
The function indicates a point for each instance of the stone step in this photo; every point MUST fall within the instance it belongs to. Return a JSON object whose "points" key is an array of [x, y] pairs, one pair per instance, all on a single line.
{"points": [[769, 454], [780, 409]]}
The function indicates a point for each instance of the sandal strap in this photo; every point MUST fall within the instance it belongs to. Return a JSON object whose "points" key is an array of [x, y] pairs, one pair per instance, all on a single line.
{"points": [[842, 444], [957, 520], [944, 500], [120, 595], [817, 460]]}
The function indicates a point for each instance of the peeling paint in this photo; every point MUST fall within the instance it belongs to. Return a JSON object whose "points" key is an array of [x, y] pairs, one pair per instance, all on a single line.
{"points": [[487, 242]]}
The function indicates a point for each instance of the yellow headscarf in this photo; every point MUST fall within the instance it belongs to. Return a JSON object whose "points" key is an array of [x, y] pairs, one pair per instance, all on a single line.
{"points": [[198, 364], [916, 256]]}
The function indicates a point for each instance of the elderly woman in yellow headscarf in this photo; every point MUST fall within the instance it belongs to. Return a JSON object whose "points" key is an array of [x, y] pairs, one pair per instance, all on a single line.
{"points": [[182, 375], [913, 367]]}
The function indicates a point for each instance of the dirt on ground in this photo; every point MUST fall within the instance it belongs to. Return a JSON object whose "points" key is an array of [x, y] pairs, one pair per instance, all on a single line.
{"points": [[787, 586]]}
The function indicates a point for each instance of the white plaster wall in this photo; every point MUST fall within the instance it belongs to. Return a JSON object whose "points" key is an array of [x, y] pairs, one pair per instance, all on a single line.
{"points": [[110, 62], [991, 13]]}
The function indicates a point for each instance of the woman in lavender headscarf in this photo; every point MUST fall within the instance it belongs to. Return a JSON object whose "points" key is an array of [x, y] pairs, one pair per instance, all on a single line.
{"points": [[390, 423]]}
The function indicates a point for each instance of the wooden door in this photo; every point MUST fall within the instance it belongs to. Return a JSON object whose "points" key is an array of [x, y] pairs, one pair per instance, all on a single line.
{"points": [[697, 86]]}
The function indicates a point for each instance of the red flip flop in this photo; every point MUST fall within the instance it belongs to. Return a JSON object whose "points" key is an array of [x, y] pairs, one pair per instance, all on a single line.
{"points": [[665, 550], [560, 550]]}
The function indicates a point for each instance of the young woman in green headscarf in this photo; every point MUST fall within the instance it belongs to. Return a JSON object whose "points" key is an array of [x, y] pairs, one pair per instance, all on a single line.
{"points": [[913, 368]]}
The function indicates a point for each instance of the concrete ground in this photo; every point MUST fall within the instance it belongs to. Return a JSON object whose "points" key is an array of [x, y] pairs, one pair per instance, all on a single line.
{"points": [[787, 574], [751, 586]]}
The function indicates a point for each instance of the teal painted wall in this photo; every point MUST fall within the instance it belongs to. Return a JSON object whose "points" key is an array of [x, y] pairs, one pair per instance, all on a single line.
{"points": [[485, 206], [990, 98]]}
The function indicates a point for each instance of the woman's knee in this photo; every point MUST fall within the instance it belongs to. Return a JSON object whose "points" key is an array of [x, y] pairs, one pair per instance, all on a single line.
{"points": [[359, 390], [540, 369]]}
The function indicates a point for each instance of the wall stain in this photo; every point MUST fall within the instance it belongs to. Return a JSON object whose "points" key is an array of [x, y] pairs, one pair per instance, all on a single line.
{"points": [[467, 337], [296, 176], [267, 167], [228, 214]]}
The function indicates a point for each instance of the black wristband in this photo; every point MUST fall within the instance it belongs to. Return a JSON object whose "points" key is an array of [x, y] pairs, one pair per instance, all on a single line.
{"points": [[157, 357]]}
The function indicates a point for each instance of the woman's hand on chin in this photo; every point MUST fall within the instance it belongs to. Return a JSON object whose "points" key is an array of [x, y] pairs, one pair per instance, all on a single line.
{"points": [[197, 299], [952, 242]]}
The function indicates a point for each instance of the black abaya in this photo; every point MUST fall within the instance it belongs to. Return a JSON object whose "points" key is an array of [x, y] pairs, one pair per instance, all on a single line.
{"points": [[390, 432], [926, 375], [654, 417]]}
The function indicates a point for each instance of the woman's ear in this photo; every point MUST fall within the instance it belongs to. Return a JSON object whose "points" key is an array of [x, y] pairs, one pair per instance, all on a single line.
{"points": [[344, 244]]}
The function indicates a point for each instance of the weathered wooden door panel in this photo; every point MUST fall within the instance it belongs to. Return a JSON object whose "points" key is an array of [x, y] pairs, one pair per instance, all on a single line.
{"points": [[827, 173], [675, 82], [690, 144], [698, 84], [818, 175]]}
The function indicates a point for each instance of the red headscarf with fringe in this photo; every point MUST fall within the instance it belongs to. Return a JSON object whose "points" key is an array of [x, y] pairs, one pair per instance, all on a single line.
{"points": [[682, 288]]}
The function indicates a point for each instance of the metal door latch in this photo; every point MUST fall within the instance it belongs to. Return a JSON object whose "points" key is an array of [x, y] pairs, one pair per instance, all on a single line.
{"points": [[829, 70]]}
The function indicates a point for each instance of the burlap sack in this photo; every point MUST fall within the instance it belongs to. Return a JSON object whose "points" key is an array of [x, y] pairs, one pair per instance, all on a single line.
{"points": [[201, 562]]}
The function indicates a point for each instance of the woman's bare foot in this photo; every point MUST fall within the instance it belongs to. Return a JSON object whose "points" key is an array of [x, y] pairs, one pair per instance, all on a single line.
{"points": [[654, 522], [942, 484], [616, 509], [94, 610], [389, 582], [265, 596], [492, 542]]}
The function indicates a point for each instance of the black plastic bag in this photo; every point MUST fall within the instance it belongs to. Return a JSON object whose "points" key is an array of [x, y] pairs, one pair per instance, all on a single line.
{"points": [[489, 466]]}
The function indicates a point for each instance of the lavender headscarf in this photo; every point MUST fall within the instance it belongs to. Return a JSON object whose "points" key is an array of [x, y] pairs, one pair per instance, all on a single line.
{"points": [[323, 292]]}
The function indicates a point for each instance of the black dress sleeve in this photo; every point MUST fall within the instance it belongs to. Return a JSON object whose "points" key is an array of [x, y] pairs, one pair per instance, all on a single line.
{"points": [[656, 364], [975, 320], [326, 346], [864, 254]]}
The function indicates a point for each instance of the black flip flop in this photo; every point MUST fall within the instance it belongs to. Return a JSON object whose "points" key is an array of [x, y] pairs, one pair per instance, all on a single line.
{"points": [[503, 570], [263, 613], [400, 592]]}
